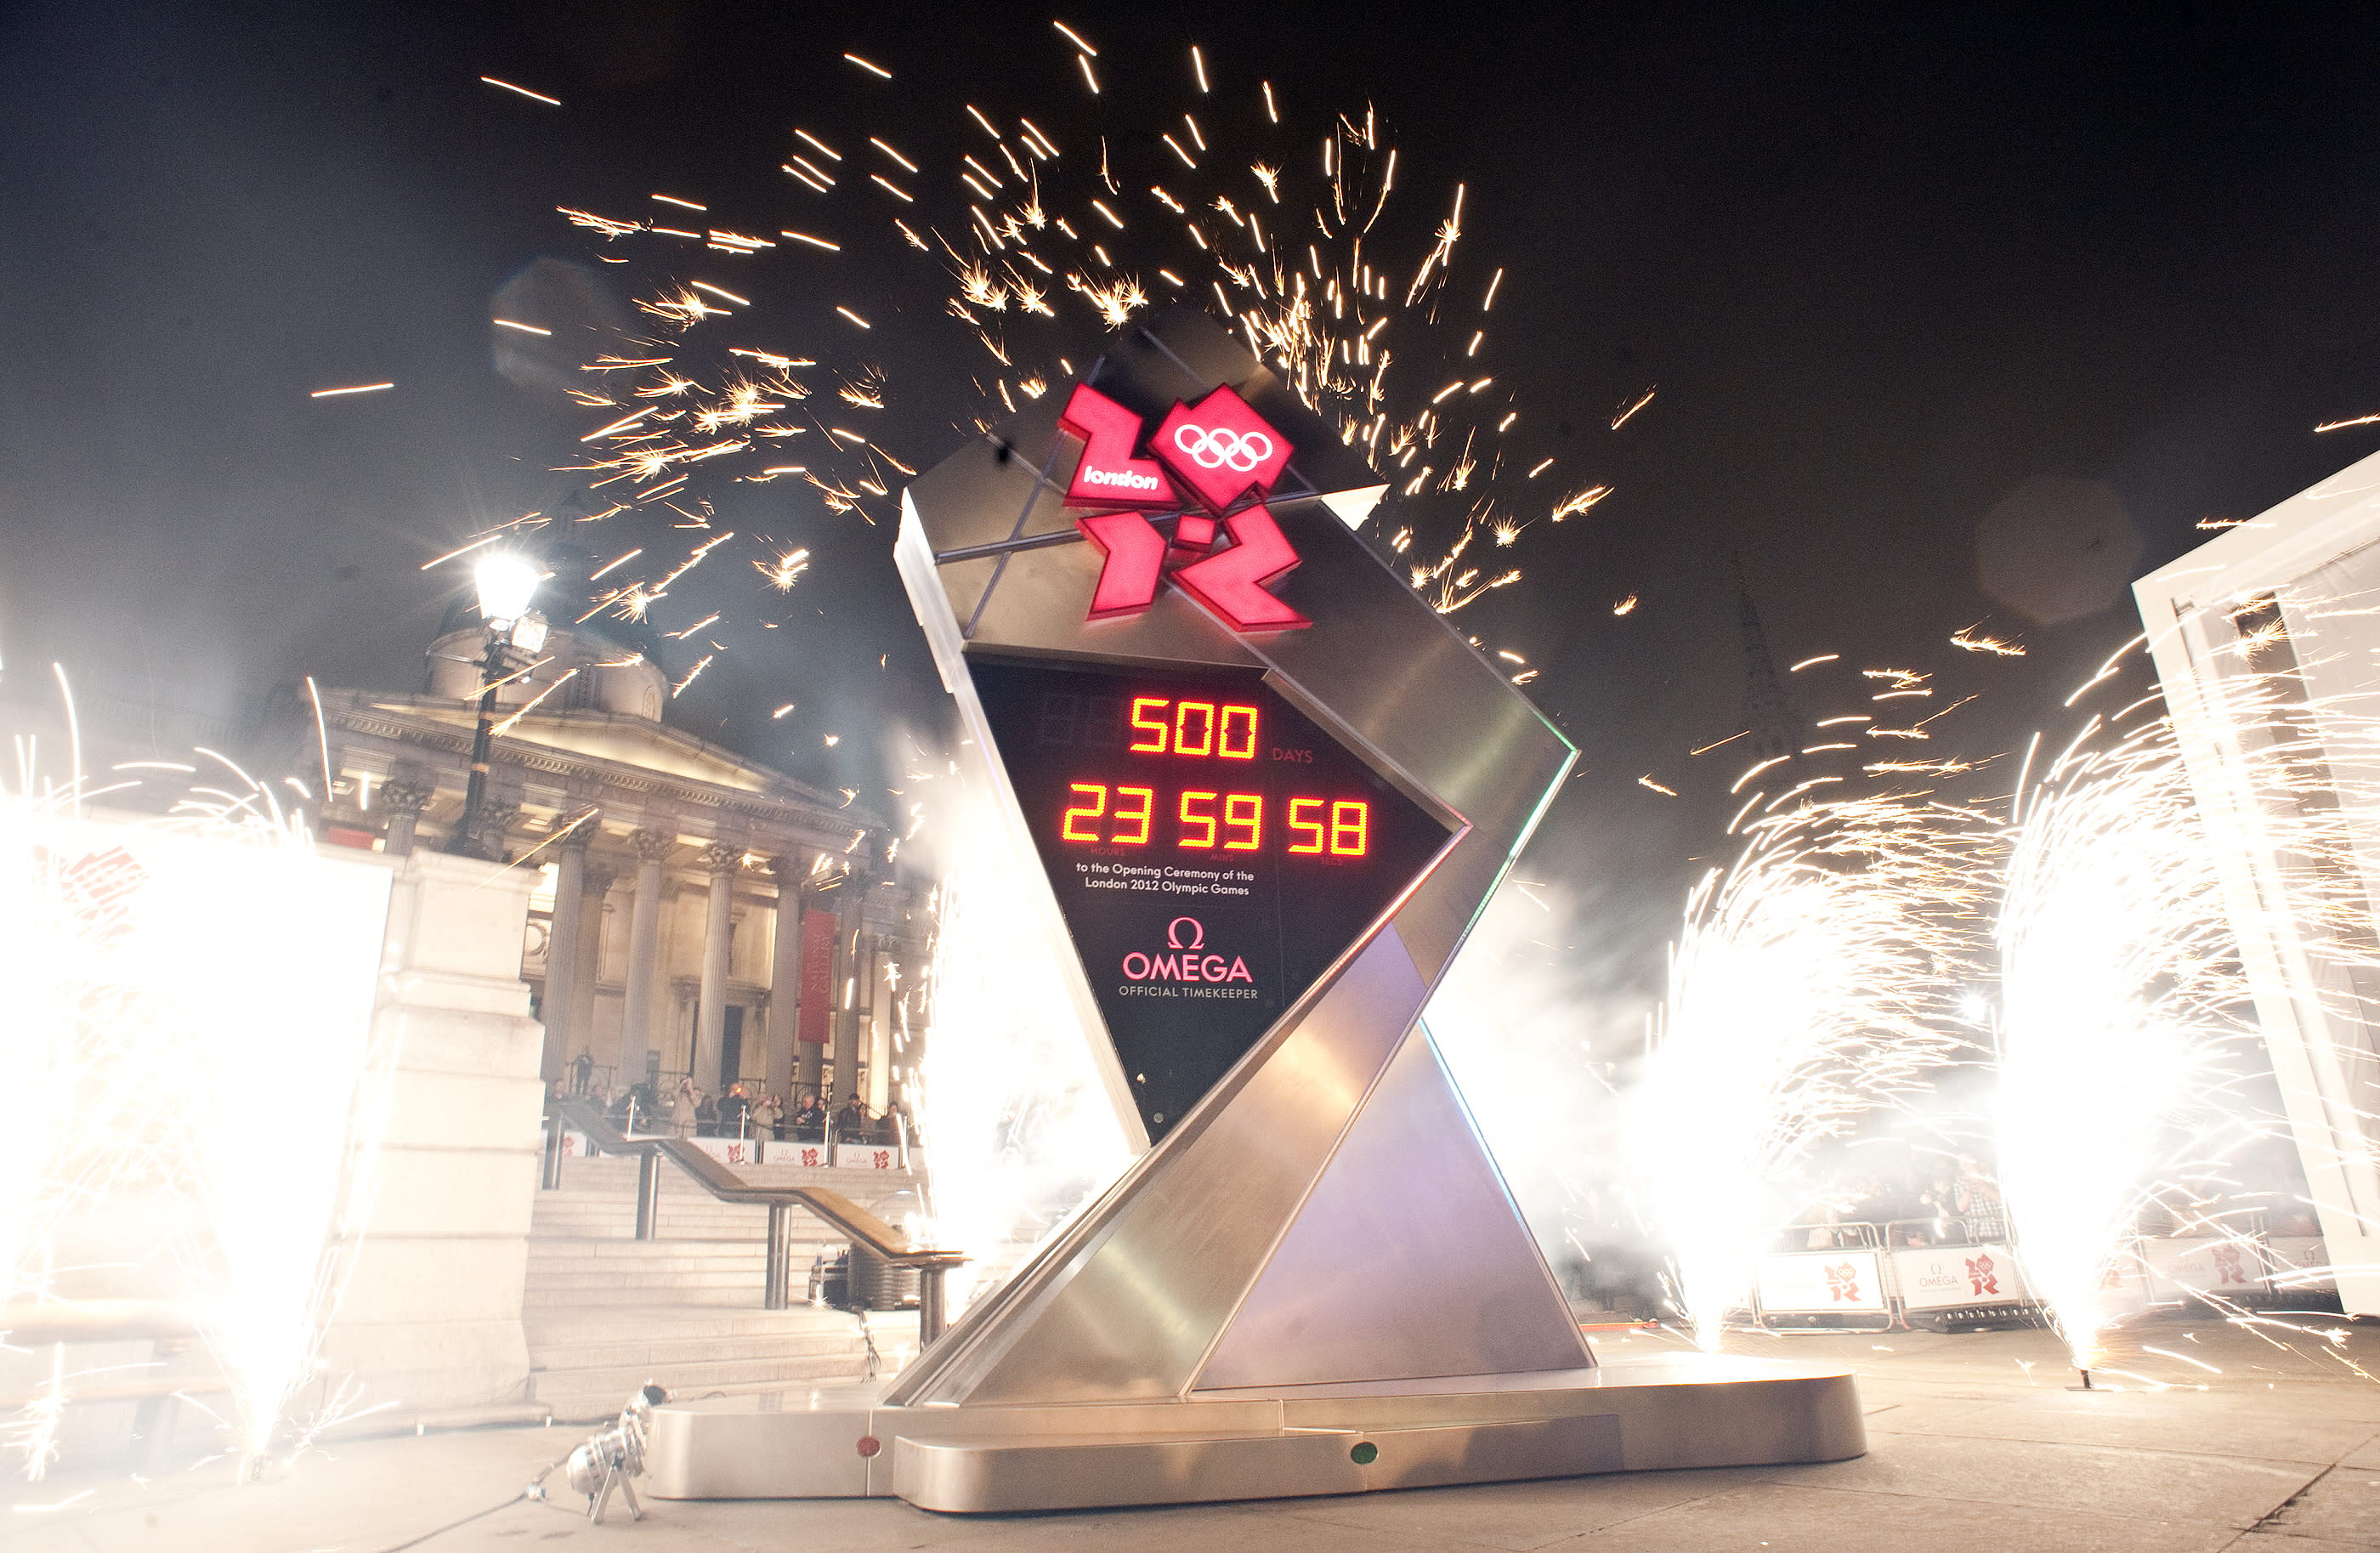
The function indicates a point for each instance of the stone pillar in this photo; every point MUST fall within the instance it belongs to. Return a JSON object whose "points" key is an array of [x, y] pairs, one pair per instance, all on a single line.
{"points": [[809, 1057], [594, 904], [878, 998], [907, 1014], [431, 1312], [711, 1011], [561, 953], [849, 983], [785, 973], [644, 948], [403, 801]]}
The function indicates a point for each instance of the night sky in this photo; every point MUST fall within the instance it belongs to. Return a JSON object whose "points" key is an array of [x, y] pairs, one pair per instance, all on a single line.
{"points": [[1889, 272]]}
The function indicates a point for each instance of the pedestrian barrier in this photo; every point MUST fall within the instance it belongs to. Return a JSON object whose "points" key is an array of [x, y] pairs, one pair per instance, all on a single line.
{"points": [[1835, 1283], [1950, 1278], [1869, 1277]]}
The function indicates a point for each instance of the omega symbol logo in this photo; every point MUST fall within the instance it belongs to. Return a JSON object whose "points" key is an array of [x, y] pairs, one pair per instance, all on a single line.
{"points": [[1212, 448], [1184, 959]]}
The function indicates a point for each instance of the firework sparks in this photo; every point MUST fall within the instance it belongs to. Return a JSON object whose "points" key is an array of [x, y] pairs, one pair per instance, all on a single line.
{"points": [[132, 947], [2126, 1022], [522, 90], [1969, 641], [1298, 271], [1813, 983]]}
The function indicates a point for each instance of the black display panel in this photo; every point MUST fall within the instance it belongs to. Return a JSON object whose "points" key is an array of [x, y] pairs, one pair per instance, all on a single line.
{"points": [[1213, 850]]}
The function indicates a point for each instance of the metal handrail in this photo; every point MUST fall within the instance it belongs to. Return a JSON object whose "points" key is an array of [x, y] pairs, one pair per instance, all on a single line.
{"points": [[839, 1212]]}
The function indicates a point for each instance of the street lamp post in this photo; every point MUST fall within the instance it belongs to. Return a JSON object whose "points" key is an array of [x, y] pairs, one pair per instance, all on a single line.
{"points": [[505, 583]]}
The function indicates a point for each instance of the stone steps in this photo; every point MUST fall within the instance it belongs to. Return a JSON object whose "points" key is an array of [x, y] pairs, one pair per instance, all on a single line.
{"points": [[606, 1313], [585, 1362]]}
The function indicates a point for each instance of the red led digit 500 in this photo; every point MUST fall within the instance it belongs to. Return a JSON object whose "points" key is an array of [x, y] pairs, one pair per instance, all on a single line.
{"points": [[1196, 729]]}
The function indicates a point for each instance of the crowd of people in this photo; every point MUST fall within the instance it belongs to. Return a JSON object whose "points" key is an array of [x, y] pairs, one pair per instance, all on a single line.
{"points": [[1920, 1203], [688, 1111]]}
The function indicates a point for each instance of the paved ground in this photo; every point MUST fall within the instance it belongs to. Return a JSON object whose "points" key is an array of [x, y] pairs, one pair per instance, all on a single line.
{"points": [[2280, 1452]]}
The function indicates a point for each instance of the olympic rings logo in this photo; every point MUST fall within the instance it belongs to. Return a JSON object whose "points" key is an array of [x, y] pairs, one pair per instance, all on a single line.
{"points": [[1242, 451]]}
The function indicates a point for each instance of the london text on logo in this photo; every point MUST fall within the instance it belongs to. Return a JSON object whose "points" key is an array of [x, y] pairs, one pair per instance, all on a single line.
{"points": [[1221, 453]]}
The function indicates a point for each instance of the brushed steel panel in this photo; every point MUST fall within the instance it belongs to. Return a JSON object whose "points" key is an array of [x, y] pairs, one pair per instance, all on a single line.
{"points": [[780, 1444], [1127, 1303], [1722, 1421], [1678, 1410], [1431, 1457], [1353, 1293], [1070, 1474]]}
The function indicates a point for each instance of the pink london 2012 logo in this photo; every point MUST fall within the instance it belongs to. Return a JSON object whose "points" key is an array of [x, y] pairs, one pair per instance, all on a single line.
{"points": [[1216, 454]]}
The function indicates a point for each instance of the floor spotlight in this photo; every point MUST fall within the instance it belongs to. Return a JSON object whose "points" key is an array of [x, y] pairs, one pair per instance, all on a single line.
{"points": [[613, 1455]]}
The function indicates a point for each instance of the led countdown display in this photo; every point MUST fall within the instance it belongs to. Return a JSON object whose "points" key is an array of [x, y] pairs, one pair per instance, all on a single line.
{"points": [[1214, 852]]}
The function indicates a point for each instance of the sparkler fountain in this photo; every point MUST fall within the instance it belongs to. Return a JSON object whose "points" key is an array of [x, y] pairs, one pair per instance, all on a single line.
{"points": [[2126, 1018], [1816, 981], [209, 944]]}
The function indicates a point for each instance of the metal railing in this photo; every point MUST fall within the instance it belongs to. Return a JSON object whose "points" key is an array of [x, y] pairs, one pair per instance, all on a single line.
{"points": [[832, 1208]]}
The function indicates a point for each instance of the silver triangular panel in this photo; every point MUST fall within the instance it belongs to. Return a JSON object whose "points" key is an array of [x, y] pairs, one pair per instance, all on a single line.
{"points": [[1358, 1291], [1151, 1274]]}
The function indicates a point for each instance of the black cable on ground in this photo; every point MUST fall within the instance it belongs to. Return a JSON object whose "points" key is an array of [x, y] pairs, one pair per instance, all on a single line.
{"points": [[475, 1515]]}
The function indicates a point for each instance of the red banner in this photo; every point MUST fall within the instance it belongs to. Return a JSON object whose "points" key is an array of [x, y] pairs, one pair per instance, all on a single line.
{"points": [[816, 1022]]}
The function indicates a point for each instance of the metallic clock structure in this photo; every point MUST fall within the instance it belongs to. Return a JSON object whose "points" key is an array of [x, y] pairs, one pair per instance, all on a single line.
{"points": [[1268, 790]]}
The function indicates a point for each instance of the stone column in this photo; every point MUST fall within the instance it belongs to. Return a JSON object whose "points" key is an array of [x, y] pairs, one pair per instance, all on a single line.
{"points": [[562, 951], [403, 801], [877, 996], [593, 905], [809, 1057], [849, 983], [644, 948], [785, 972], [711, 1011]]}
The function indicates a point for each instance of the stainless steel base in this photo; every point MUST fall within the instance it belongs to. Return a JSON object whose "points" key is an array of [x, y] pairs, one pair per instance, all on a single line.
{"points": [[1687, 1410]]}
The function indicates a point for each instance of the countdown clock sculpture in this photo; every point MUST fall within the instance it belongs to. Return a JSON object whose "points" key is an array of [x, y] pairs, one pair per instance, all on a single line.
{"points": [[1268, 789]]}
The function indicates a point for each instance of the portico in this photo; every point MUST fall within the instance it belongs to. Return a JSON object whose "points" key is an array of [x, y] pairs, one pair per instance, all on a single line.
{"points": [[682, 883]]}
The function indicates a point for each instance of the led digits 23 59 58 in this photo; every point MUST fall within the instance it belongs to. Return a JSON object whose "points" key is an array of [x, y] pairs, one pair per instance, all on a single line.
{"points": [[1127, 815]]}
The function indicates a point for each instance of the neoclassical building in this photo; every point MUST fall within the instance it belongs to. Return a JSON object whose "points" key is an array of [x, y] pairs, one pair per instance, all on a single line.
{"points": [[697, 912]]}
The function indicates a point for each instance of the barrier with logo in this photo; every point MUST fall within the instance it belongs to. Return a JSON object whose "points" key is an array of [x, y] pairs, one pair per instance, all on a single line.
{"points": [[1871, 1278], [1953, 1279], [2242, 1268], [732, 1151], [1839, 1283], [2300, 1265]]}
